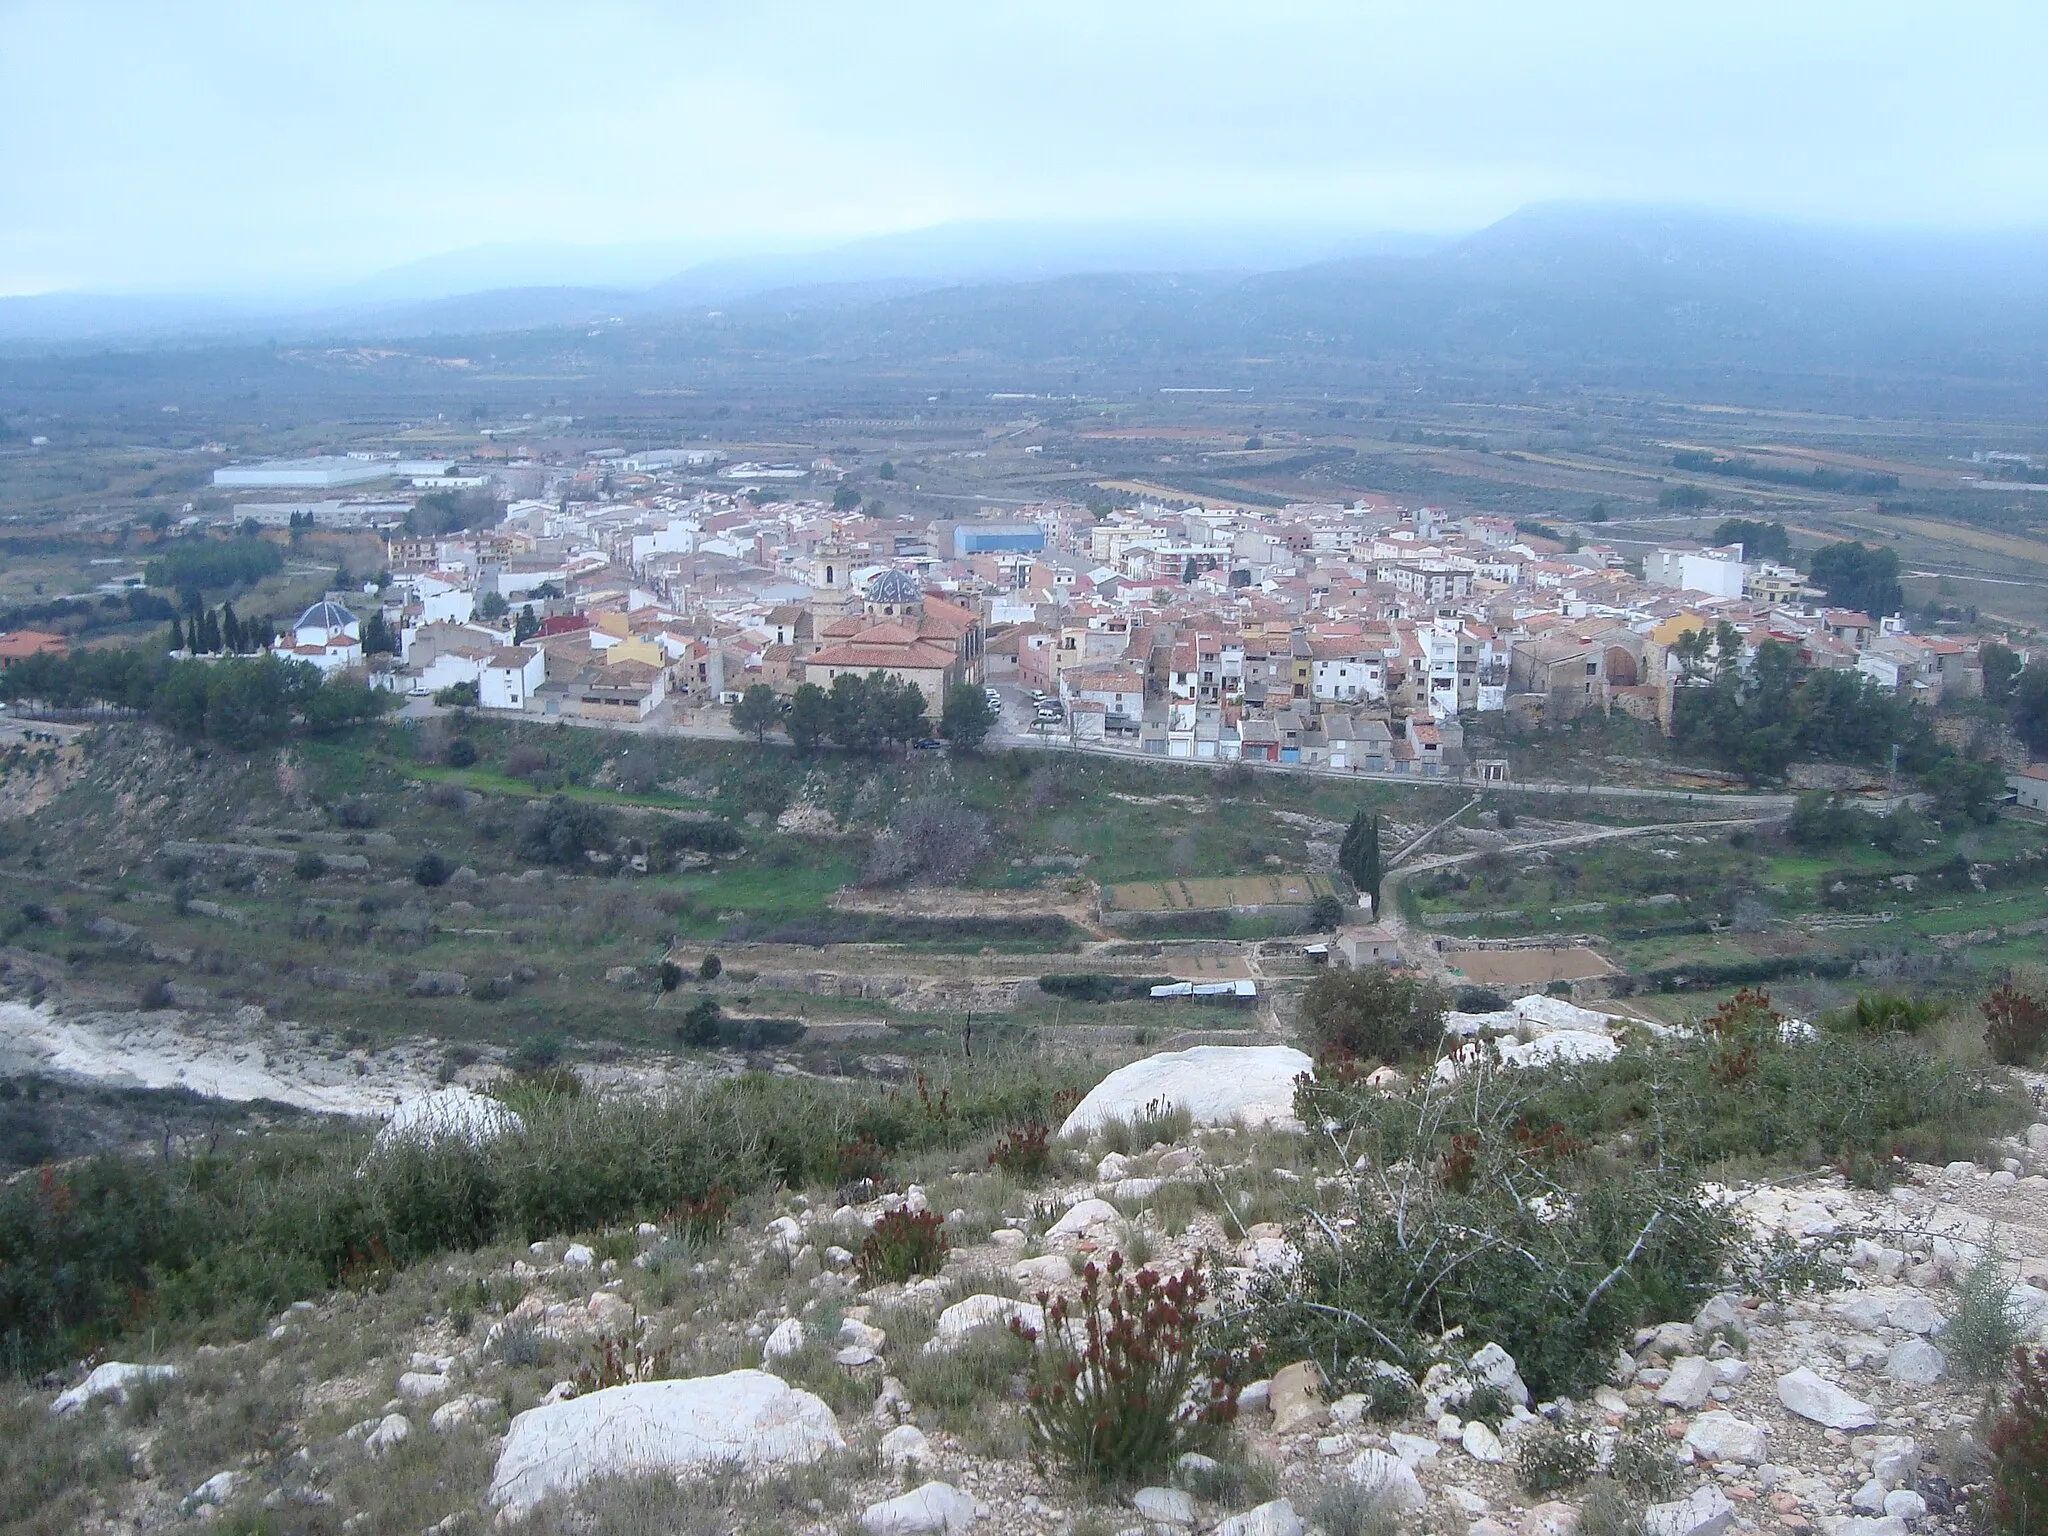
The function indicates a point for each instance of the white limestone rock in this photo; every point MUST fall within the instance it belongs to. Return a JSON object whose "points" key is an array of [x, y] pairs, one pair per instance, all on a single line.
{"points": [[934, 1507], [1216, 1084], [1481, 1443], [1704, 1512], [1916, 1363], [1691, 1379], [963, 1317], [1826, 1404], [1274, 1519], [747, 1418], [114, 1379], [784, 1340], [1718, 1435], [905, 1444], [1164, 1506], [449, 1113], [1081, 1216], [1393, 1482]]}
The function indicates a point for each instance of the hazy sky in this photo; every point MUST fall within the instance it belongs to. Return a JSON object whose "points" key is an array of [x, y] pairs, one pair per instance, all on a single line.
{"points": [[200, 143]]}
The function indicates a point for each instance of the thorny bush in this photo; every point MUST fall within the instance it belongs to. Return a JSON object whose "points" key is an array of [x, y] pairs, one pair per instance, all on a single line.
{"points": [[1124, 1381]]}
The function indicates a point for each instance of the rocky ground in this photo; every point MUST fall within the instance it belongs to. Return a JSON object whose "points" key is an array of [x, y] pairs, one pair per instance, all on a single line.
{"points": [[621, 1381]]}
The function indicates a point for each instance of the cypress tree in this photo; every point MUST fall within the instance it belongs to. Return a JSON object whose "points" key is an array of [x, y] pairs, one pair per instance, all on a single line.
{"points": [[230, 629], [209, 632]]}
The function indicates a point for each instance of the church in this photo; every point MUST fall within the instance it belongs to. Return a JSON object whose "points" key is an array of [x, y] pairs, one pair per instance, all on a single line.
{"points": [[891, 626]]}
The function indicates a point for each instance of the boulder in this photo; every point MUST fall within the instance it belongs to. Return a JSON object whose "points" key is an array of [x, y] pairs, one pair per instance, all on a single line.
{"points": [[1552, 1518], [1561, 1045], [1691, 1379], [1916, 1314], [1823, 1402], [1704, 1512], [1481, 1443], [963, 1317], [1164, 1506], [1297, 1398], [1043, 1272], [1216, 1084], [438, 984], [935, 1507], [1495, 1366], [1905, 1504], [114, 1379], [745, 1418], [1916, 1363], [390, 1432], [1082, 1215], [419, 1386], [1275, 1519], [1390, 1480], [449, 1112], [904, 1444], [785, 1340], [610, 1311], [1716, 1436]]}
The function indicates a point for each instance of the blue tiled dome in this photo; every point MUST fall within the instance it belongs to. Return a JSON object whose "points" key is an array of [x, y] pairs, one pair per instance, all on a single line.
{"points": [[894, 587], [325, 615]]}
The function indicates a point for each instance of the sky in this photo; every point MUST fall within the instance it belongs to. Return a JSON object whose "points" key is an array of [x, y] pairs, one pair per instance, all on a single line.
{"points": [[207, 145]]}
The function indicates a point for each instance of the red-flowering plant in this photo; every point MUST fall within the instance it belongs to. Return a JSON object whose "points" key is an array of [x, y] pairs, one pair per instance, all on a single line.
{"points": [[1123, 1382], [2019, 1452], [1025, 1152], [903, 1243]]}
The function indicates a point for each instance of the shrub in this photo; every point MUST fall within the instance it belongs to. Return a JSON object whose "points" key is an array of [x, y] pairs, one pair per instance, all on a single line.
{"points": [[862, 1160], [1469, 1237], [155, 993], [617, 1360], [2016, 1026], [462, 753], [561, 831], [1551, 1459], [1025, 1152], [1372, 1013], [1128, 1388], [1882, 1013], [930, 836], [1480, 1000], [700, 1026], [309, 865], [1985, 1328], [1346, 1509], [356, 812], [671, 975], [1606, 1511], [1641, 1463], [901, 1244], [2019, 1451], [710, 968], [701, 1219], [431, 869]]}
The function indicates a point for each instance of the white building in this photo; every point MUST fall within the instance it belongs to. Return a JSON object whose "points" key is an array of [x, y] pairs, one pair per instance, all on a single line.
{"points": [[323, 474], [1714, 572], [328, 636], [511, 675]]}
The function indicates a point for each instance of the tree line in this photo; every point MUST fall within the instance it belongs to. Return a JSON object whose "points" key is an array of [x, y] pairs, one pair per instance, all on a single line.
{"points": [[863, 714], [221, 632], [1759, 718], [239, 702]]}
